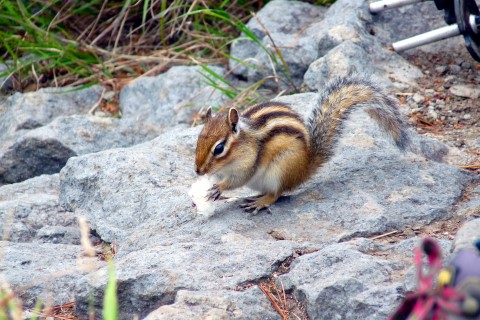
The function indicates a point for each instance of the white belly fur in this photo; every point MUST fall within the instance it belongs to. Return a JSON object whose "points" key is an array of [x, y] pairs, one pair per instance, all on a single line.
{"points": [[265, 181]]}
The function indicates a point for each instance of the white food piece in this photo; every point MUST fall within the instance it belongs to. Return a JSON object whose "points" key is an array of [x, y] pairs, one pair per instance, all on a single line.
{"points": [[199, 191]]}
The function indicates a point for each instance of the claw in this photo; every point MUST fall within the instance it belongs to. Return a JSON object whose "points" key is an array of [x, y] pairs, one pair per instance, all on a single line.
{"points": [[257, 204], [214, 193], [254, 208]]}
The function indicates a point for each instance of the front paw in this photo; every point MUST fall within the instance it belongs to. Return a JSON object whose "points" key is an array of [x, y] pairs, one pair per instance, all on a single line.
{"points": [[214, 193]]}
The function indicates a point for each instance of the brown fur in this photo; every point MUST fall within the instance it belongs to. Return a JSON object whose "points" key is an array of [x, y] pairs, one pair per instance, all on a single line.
{"points": [[342, 96], [272, 143]]}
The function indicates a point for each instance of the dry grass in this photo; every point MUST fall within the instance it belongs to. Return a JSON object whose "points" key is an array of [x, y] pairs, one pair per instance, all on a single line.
{"points": [[72, 43]]}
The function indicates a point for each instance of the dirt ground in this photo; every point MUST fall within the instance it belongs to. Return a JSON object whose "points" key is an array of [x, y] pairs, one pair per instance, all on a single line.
{"points": [[438, 111]]}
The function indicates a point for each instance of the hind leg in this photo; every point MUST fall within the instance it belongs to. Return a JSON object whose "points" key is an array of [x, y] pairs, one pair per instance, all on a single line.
{"points": [[262, 203]]}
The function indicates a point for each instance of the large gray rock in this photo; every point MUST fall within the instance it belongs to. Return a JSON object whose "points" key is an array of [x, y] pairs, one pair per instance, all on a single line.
{"points": [[138, 196], [35, 109], [42, 130], [173, 263], [45, 272], [46, 149], [151, 277], [340, 282], [29, 212], [218, 304], [285, 22], [339, 38], [340, 61], [170, 98], [465, 90], [360, 279], [345, 42], [344, 21]]}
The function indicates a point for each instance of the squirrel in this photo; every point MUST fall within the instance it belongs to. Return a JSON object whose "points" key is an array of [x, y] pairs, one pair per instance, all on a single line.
{"points": [[269, 147]]}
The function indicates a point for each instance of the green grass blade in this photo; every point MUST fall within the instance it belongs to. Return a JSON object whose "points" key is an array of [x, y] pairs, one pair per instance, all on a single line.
{"points": [[216, 75], [36, 310], [110, 300], [146, 3]]}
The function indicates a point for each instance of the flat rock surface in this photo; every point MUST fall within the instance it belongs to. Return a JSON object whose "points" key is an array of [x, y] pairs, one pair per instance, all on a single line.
{"points": [[368, 188], [340, 245], [30, 212], [217, 304], [45, 272]]}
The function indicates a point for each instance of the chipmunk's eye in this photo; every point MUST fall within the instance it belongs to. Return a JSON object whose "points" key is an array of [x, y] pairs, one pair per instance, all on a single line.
{"points": [[218, 148]]}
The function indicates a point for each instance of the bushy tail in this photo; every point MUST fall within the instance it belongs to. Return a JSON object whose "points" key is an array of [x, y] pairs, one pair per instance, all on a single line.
{"points": [[342, 96]]}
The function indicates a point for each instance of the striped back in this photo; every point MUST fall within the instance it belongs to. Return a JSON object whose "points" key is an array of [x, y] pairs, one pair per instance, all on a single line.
{"points": [[269, 119]]}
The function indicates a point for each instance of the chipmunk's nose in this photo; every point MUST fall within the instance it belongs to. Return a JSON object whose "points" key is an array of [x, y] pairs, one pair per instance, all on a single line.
{"points": [[198, 171]]}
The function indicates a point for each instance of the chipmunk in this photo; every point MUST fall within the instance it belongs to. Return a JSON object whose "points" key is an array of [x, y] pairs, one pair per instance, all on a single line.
{"points": [[270, 149]]}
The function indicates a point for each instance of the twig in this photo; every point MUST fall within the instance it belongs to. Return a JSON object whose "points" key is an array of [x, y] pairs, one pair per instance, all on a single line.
{"points": [[94, 24], [473, 166], [180, 27], [63, 312], [272, 301], [55, 78], [36, 77], [107, 29], [95, 106], [119, 33], [284, 295], [384, 235], [277, 51]]}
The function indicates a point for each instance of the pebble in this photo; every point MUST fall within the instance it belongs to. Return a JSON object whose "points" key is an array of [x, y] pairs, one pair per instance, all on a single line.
{"points": [[450, 78], [465, 90], [466, 65], [441, 69], [418, 98], [432, 113], [453, 68], [467, 116], [429, 91]]}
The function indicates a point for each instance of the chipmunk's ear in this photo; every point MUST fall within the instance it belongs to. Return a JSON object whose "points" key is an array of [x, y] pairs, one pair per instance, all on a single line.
{"points": [[233, 119], [208, 115]]}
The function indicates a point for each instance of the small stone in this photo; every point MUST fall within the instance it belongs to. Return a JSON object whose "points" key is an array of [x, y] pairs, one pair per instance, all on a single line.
{"points": [[429, 91], [109, 95], [453, 68], [465, 90], [441, 69], [466, 65], [418, 98], [467, 116], [450, 79], [432, 113]]}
